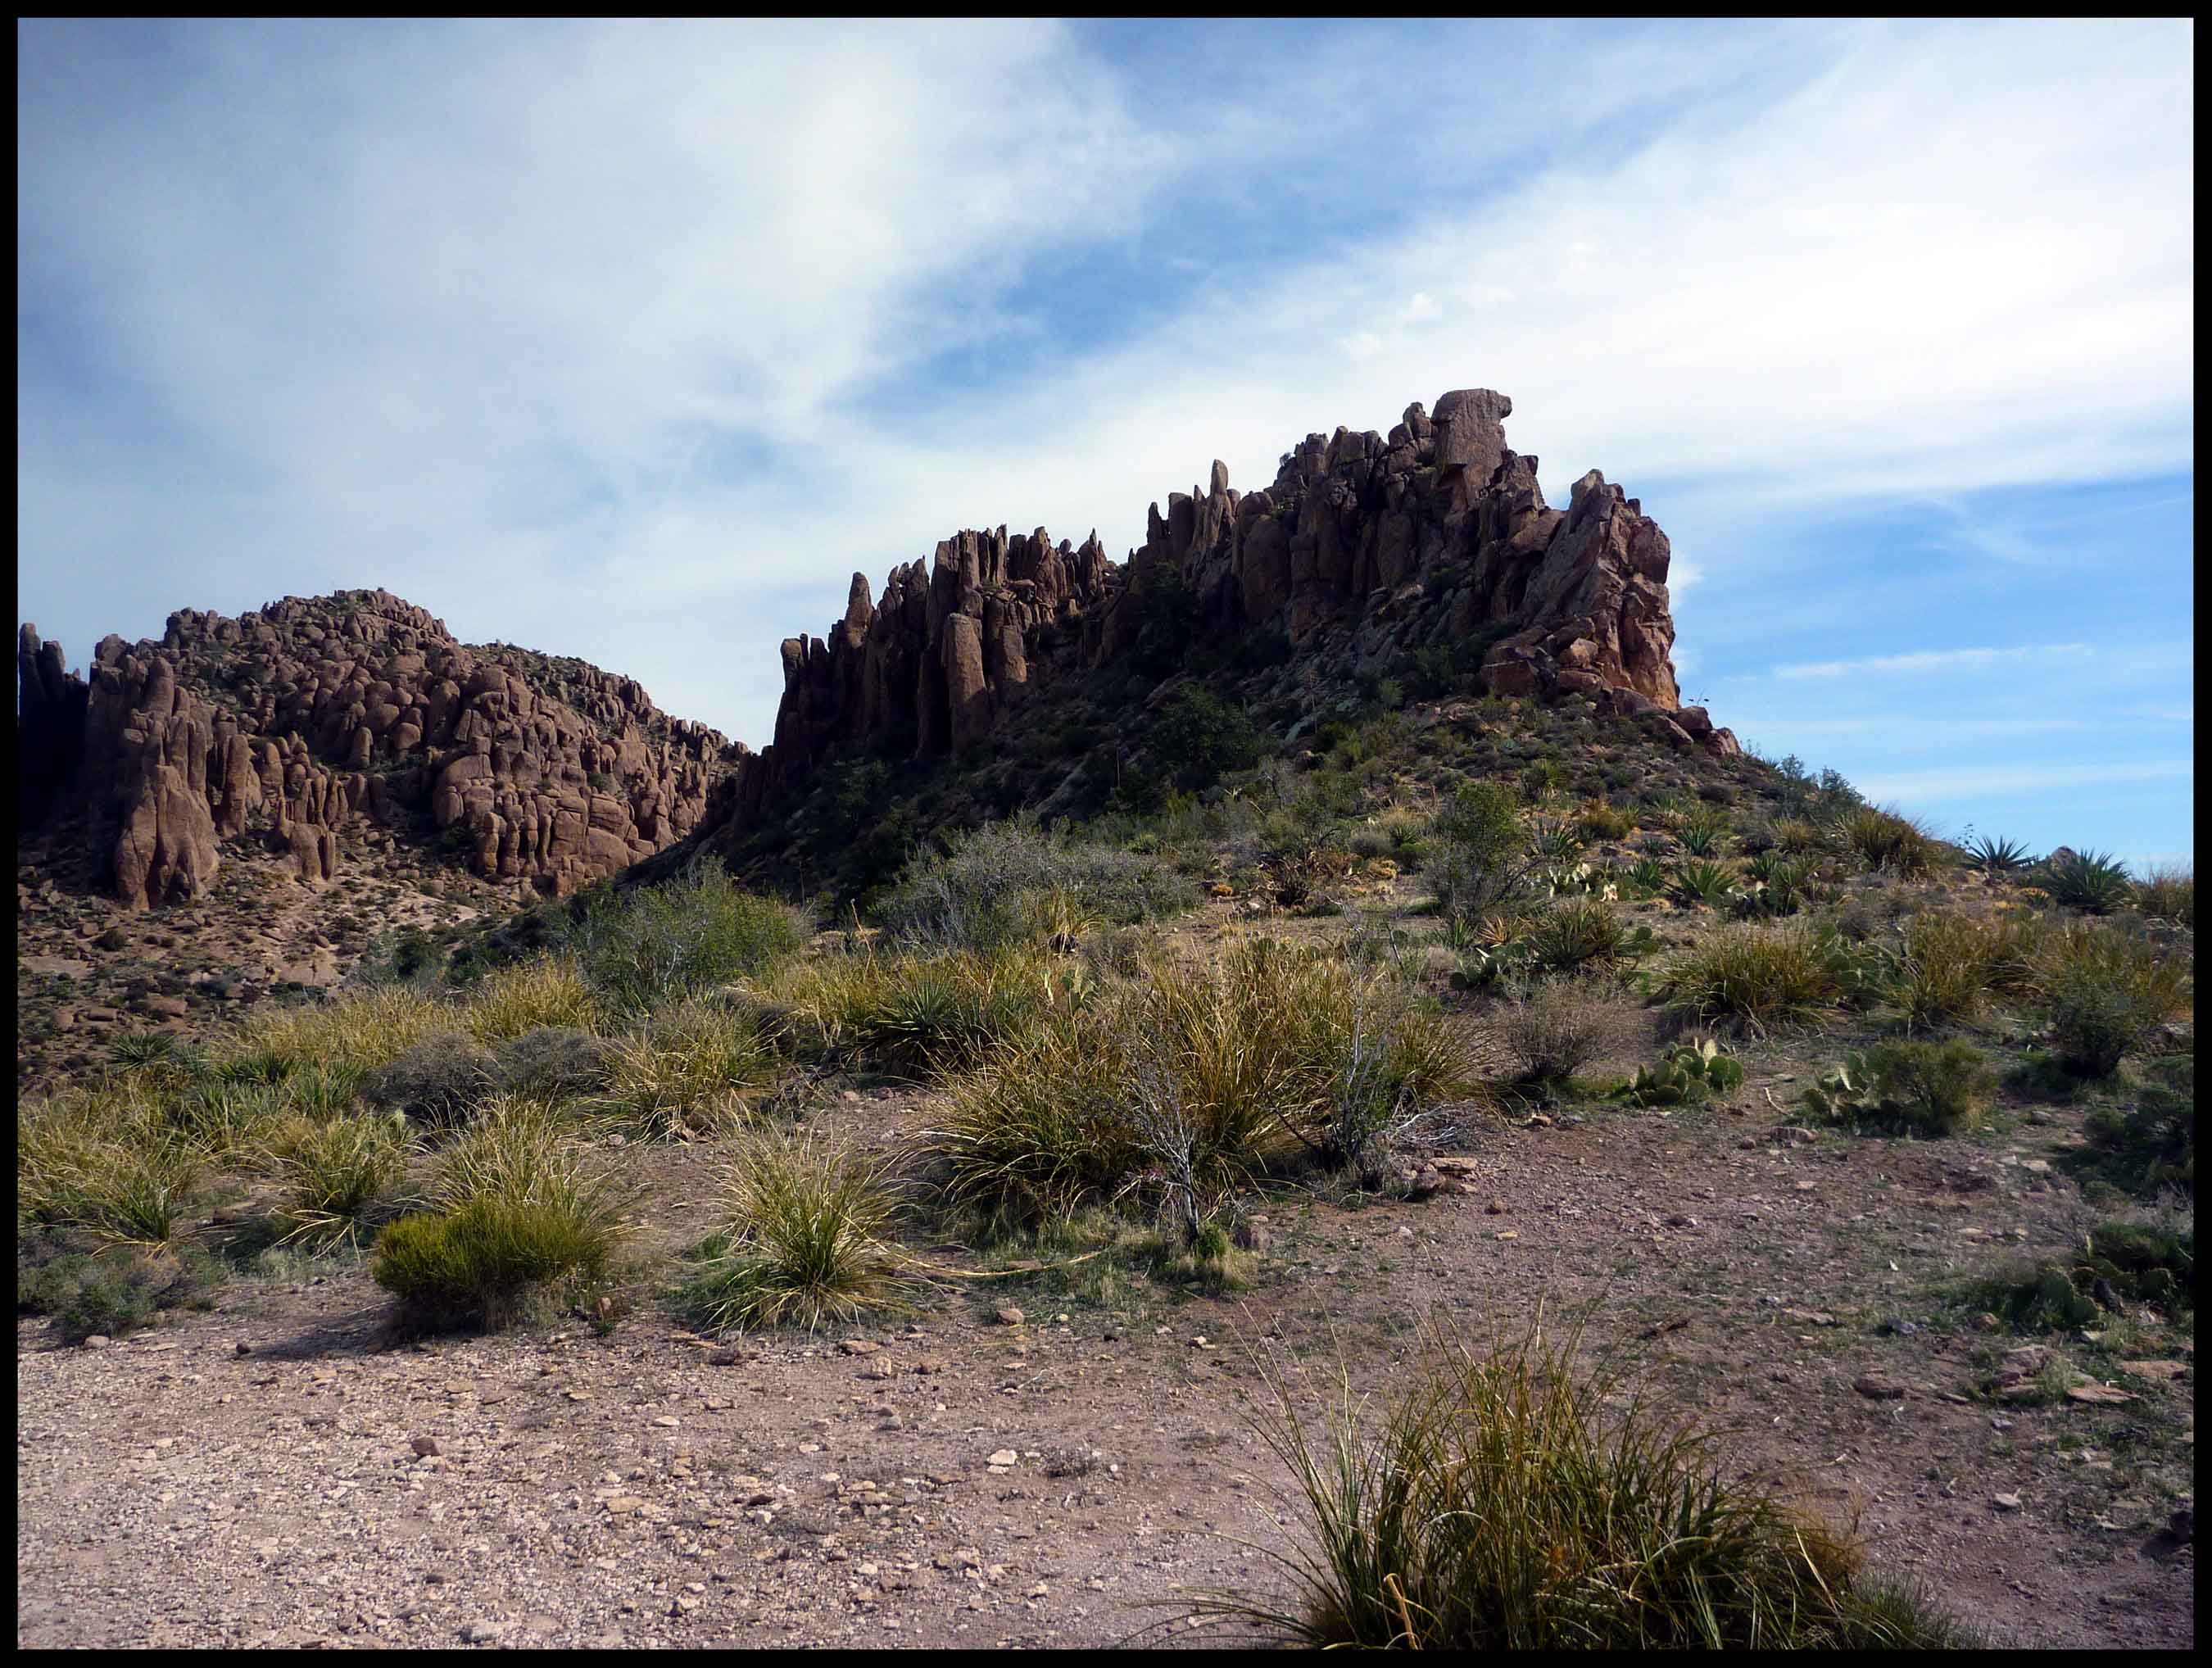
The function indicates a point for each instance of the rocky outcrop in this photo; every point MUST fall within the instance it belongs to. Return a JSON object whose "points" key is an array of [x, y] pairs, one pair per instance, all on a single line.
{"points": [[313, 717], [1434, 536]]}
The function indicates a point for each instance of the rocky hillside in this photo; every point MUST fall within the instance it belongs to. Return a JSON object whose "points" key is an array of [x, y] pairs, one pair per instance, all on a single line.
{"points": [[1431, 545], [322, 727]]}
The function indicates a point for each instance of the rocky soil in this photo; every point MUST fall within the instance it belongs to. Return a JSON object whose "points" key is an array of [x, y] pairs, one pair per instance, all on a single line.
{"points": [[280, 1471]]}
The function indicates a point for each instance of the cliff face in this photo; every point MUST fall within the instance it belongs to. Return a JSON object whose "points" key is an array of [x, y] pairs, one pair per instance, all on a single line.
{"points": [[358, 711], [1435, 534]]}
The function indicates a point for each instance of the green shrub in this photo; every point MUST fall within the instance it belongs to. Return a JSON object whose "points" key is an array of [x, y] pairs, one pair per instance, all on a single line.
{"points": [[1918, 1088], [1502, 1504], [108, 1290], [1197, 737], [1603, 822], [1757, 976], [1478, 860], [516, 1215], [807, 1240], [2119, 1261], [660, 944], [2094, 882]]}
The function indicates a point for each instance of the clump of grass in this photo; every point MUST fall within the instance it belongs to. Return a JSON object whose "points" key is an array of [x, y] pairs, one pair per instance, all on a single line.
{"points": [[358, 1031], [103, 1162], [337, 1176], [1497, 1504], [515, 1215], [2167, 892], [1187, 1081], [655, 945], [681, 1073], [938, 1016], [1891, 841], [2107, 993], [1756, 976], [550, 991], [807, 1242], [1603, 822], [2094, 882], [1942, 971], [1798, 836]]}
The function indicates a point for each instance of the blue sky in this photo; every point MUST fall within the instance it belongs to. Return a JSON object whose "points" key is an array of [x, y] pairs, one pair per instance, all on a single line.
{"points": [[634, 342]]}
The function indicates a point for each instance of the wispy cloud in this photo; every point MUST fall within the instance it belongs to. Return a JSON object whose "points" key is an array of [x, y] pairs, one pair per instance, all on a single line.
{"points": [[1945, 786], [1940, 660]]}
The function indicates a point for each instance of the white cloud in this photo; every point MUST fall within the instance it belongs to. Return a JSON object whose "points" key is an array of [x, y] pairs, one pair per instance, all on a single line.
{"points": [[1950, 785], [1419, 308], [1942, 660]]}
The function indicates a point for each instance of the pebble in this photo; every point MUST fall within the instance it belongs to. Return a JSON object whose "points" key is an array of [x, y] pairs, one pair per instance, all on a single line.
{"points": [[2005, 1502], [1008, 1315]]}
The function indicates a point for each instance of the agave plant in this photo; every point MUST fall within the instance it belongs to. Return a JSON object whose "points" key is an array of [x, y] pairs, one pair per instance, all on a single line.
{"points": [[1703, 882], [2094, 882], [1996, 857], [1647, 875], [1699, 839], [1557, 842]]}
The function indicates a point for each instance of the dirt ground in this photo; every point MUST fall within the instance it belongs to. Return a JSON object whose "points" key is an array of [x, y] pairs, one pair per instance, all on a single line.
{"points": [[277, 1471]]}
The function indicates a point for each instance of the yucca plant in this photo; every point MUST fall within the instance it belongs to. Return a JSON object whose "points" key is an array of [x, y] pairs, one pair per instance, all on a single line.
{"points": [[1580, 933], [1698, 839], [339, 1176], [2094, 882], [1991, 856], [1758, 976], [1557, 842], [1499, 1502], [1647, 875]]}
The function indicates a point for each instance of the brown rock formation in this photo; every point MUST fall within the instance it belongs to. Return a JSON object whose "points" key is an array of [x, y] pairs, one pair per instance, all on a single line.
{"points": [[313, 716], [1436, 534]]}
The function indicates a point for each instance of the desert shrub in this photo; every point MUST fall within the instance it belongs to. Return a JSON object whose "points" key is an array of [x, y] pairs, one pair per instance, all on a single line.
{"points": [[1756, 976], [2094, 882], [2150, 1147], [1891, 841], [1917, 1089], [439, 1081], [660, 944], [516, 1214], [338, 1176], [807, 1242], [1500, 1502], [933, 1017], [681, 1073], [1006, 882], [358, 1030], [1556, 1029], [1197, 737], [108, 1289], [2107, 993], [2169, 892], [1477, 863], [547, 992], [554, 1061]]}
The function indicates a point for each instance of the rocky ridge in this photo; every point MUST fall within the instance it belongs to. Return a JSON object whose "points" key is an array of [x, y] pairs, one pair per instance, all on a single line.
{"points": [[1433, 535], [357, 715]]}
